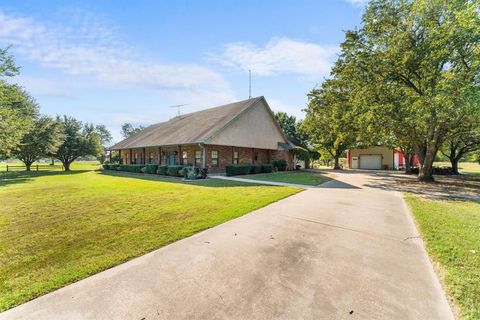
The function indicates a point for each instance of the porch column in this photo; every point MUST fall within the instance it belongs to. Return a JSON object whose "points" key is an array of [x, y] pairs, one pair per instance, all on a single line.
{"points": [[253, 155], [180, 155], [159, 155], [144, 157], [204, 157], [120, 157], [232, 154], [110, 156], [131, 153]]}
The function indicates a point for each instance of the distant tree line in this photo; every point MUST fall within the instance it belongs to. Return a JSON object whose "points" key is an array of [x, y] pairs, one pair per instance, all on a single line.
{"points": [[408, 78], [27, 135]]}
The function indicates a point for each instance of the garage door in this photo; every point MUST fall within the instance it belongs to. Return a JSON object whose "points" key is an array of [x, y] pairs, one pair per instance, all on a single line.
{"points": [[371, 161]]}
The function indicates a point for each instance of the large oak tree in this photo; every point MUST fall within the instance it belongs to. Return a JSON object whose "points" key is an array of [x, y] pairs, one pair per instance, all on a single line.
{"points": [[43, 139], [79, 141], [428, 52]]}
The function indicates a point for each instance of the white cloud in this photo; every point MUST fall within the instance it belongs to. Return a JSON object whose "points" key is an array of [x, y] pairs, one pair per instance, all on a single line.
{"points": [[91, 49], [279, 56]]}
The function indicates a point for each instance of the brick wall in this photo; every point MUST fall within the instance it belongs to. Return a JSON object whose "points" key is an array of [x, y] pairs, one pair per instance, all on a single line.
{"points": [[285, 155], [225, 155]]}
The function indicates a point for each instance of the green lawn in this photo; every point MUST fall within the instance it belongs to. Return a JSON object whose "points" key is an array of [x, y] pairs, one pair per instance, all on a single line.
{"points": [[470, 168], [58, 227], [76, 165], [451, 230], [296, 177]]}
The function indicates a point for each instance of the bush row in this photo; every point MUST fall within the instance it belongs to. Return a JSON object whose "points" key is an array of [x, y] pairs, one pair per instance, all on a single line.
{"points": [[241, 169], [175, 171]]}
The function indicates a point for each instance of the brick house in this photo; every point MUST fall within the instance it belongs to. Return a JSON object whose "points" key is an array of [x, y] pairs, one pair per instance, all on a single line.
{"points": [[241, 132]]}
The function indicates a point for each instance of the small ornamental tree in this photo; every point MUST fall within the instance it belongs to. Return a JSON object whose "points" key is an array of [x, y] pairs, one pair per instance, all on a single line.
{"points": [[43, 139], [78, 142]]}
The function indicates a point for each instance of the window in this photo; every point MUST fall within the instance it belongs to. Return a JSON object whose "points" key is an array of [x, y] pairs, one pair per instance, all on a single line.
{"points": [[198, 158], [214, 158], [150, 157], [235, 157], [184, 157]]}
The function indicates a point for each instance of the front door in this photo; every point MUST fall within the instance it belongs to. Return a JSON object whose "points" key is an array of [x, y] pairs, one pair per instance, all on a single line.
{"points": [[171, 158]]}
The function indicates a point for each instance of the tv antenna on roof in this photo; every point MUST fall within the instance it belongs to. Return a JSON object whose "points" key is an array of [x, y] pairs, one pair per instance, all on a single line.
{"points": [[178, 108], [249, 84]]}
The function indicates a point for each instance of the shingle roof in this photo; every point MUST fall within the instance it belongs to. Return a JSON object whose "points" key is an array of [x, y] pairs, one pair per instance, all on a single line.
{"points": [[196, 127]]}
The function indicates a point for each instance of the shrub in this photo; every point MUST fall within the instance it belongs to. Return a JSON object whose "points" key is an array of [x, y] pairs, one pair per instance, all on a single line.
{"points": [[280, 165], [267, 168], [190, 172], [237, 169], [151, 168], [255, 168], [110, 166], [174, 171], [162, 170], [136, 168]]}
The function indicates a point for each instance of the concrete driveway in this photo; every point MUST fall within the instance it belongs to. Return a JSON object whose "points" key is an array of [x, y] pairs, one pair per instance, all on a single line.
{"points": [[346, 250]]}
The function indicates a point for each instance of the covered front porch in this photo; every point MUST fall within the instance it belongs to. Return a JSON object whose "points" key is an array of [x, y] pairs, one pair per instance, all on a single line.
{"points": [[213, 157]]}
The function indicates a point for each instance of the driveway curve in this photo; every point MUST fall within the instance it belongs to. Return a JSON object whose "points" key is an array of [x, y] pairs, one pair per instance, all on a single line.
{"points": [[345, 250]]}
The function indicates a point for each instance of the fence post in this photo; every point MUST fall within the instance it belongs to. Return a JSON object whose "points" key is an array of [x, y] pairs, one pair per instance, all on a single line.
{"points": [[7, 167], [37, 167]]}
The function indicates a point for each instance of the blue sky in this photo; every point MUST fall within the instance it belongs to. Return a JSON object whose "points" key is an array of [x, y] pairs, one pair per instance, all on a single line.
{"points": [[120, 61]]}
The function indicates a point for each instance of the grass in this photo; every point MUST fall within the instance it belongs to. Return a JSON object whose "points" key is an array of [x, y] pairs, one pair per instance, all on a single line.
{"points": [[76, 165], [295, 177], [59, 227], [469, 168], [451, 231]]}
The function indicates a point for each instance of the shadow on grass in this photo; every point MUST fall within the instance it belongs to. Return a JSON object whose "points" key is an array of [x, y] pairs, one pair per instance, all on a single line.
{"points": [[18, 177], [212, 183], [444, 188]]}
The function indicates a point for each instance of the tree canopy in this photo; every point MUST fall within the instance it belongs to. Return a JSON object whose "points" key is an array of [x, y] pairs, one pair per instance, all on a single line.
{"points": [[79, 141], [43, 139], [129, 130], [408, 77], [17, 112]]}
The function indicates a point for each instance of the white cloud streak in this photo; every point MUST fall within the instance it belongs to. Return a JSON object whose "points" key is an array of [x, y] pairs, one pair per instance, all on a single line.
{"points": [[90, 48], [279, 56]]}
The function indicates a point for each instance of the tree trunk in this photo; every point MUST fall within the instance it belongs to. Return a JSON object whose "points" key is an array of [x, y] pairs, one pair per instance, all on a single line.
{"points": [[454, 162], [426, 168], [27, 166], [66, 165], [337, 163], [307, 164], [408, 162]]}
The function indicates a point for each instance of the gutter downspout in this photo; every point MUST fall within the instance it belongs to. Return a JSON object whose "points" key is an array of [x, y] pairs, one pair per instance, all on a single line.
{"points": [[202, 146]]}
